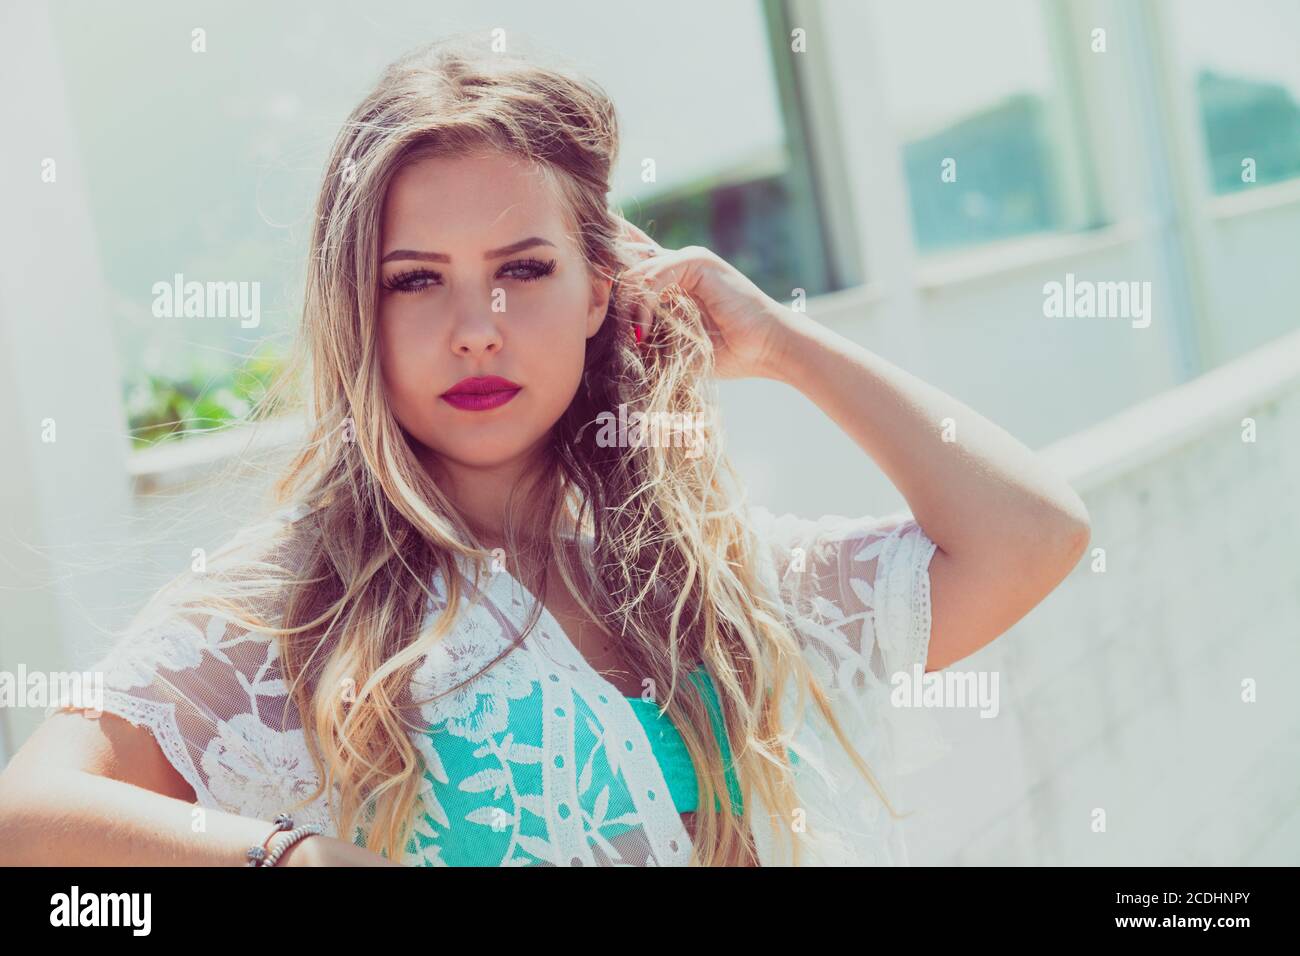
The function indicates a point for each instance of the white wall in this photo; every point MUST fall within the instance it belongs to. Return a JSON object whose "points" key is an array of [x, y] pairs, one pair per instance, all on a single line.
{"points": [[64, 500], [1123, 690]]}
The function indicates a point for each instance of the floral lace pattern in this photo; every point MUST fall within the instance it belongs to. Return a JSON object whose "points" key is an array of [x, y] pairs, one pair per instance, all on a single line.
{"points": [[540, 761]]}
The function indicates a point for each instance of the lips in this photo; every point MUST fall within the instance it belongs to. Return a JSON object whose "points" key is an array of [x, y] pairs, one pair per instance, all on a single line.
{"points": [[481, 393]]}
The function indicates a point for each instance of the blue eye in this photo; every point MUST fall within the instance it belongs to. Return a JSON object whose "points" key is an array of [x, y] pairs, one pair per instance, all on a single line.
{"points": [[534, 269], [412, 280], [417, 280]]}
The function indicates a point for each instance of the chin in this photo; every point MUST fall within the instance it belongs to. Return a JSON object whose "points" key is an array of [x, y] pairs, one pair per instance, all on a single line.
{"points": [[484, 453]]}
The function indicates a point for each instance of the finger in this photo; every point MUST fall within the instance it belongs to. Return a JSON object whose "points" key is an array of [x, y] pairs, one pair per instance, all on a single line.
{"points": [[644, 320], [650, 277], [657, 273], [636, 233], [643, 249], [638, 313], [636, 297]]}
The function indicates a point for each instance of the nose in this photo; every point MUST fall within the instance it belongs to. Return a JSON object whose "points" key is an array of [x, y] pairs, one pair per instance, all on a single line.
{"points": [[475, 333]]}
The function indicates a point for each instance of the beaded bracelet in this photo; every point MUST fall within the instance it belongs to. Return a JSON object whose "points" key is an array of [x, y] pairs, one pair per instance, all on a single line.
{"points": [[256, 854], [293, 837]]}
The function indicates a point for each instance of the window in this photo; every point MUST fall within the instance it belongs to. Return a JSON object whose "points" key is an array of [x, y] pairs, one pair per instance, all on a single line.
{"points": [[725, 131], [1243, 68], [976, 102], [205, 165]]}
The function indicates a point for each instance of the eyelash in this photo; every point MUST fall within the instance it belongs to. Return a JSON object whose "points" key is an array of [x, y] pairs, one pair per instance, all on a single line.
{"points": [[401, 281]]}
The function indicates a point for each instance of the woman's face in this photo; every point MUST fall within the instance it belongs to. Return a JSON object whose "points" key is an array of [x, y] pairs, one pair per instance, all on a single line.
{"points": [[479, 277]]}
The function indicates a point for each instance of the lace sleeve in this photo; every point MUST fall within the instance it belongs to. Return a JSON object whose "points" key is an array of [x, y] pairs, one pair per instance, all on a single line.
{"points": [[215, 700], [858, 590]]}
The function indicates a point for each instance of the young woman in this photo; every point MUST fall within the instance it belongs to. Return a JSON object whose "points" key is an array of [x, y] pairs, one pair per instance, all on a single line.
{"points": [[514, 607]]}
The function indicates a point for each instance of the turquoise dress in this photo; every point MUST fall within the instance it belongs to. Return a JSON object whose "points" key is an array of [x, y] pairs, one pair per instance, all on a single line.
{"points": [[670, 749], [477, 793]]}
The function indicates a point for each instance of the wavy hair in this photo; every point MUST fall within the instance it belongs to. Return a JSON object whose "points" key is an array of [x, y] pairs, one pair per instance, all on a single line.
{"points": [[345, 589]]}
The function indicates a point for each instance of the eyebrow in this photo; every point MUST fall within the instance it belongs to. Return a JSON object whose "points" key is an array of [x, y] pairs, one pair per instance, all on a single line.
{"points": [[490, 254]]}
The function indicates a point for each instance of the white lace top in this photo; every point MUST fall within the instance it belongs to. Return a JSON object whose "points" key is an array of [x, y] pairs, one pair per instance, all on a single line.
{"points": [[541, 761]]}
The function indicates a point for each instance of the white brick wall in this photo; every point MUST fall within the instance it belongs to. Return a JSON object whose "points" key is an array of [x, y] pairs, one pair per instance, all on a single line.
{"points": [[1122, 690]]}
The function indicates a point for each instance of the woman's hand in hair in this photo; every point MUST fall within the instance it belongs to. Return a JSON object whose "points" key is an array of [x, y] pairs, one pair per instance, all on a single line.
{"points": [[745, 325]]}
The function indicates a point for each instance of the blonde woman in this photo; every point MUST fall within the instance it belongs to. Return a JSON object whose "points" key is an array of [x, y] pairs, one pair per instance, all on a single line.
{"points": [[513, 606]]}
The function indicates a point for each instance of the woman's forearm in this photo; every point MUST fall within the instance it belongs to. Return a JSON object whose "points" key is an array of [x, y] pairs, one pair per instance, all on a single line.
{"points": [[81, 819], [967, 481]]}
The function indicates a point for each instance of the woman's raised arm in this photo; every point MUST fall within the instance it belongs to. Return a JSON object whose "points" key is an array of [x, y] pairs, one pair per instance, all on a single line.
{"points": [[1007, 529]]}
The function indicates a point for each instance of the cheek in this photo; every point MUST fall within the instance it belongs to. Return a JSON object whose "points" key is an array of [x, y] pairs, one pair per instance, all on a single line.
{"points": [[406, 354], [550, 338], [558, 316]]}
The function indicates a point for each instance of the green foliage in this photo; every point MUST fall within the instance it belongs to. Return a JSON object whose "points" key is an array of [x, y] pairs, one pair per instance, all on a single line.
{"points": [[166, 409]]}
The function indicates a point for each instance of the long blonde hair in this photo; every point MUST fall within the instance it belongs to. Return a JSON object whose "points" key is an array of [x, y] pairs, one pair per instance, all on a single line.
{"points": [[345, 590]]}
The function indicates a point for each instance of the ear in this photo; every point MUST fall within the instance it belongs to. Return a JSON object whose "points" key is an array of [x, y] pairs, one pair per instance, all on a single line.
{"points": [[601, 290]]}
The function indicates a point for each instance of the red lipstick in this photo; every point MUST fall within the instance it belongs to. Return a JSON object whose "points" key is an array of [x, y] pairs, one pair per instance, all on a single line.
{"points": [[481, 393]]}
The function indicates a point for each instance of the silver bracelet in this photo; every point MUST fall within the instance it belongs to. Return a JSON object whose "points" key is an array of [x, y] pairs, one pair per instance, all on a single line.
{"points": [[256, 854], [294, 836]]}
